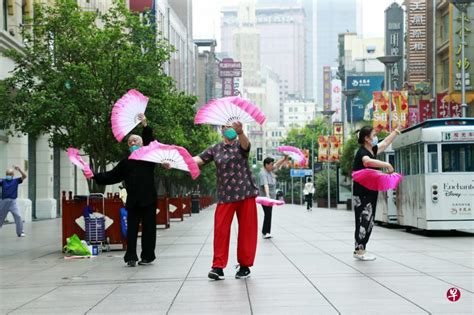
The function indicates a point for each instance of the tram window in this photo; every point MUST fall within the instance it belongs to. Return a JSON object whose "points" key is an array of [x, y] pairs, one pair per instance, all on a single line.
{"points": [[422, 159], [458, 157], [406, 161], [415, 160], [432, 158]]}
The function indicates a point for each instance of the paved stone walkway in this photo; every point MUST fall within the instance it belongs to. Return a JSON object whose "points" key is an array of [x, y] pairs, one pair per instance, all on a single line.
{"points": [[307, 268]]}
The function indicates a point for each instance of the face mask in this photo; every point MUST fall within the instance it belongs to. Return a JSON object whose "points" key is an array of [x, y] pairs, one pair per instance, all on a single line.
{"points": [[133, 148], [8, 177], [230, 134], [375, 141]]}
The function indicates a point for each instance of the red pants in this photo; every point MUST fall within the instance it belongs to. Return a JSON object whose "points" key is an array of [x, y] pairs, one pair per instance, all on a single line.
{"points": [[247, 237]]}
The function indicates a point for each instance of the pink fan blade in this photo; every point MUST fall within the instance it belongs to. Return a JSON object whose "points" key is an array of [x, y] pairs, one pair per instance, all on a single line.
{"points": [[125, 112], [227, 110], [161, 153], [74, 157], [269, 202], [295, 153], [376, 180]]}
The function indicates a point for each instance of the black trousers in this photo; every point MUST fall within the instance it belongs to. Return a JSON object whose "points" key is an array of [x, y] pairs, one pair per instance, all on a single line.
{"points": [[309, 201], [364, 209], [267, 219], [147, 216]]}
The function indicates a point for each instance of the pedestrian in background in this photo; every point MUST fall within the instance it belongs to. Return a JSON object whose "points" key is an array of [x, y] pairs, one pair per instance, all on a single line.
{"points": [[308, 192], [267, 185], [8, 203]]}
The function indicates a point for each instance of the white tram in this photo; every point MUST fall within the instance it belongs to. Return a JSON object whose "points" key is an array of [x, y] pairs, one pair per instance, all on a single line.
{"points": [[436, 159]]}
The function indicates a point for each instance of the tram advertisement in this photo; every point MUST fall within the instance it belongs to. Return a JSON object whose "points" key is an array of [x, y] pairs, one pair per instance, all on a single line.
{"points": [[457, 196]]}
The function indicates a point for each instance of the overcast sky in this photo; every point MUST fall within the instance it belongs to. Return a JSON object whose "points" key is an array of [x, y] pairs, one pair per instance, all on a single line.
{"points": [[206, 17]]}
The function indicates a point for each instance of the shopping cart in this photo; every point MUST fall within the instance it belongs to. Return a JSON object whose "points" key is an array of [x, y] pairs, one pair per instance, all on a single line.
{"points": [[95, 227]]}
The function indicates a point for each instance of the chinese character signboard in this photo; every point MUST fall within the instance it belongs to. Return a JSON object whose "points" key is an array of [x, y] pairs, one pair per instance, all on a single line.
{"points": [[336, 99], [327, 88], [447, 109], [417, 40], [394, 42], [380, 117], [228, 70], [455, 84], [362, 103], [462, 135]]}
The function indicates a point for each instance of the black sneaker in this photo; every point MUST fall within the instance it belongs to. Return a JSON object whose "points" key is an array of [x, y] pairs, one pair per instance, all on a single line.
{"points": [[145, 262], [216, 274], [131, 263], [243, 273]]}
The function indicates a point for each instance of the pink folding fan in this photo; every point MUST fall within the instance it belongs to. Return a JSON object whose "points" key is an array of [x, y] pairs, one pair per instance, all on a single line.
{"points": [[376, 180], [75, 158], [269, 202], [177, 157], [125, 113], [224, 111], [294, 153]]}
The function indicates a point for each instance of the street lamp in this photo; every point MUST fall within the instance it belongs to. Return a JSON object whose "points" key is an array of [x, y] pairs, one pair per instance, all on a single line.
{"points": [[350, 94], [328, 114], [301, 137], [312, 127], [389, 61], [462, 5]]}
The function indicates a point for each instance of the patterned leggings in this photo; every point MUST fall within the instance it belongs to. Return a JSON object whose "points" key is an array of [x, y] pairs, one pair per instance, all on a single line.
{"points": [[364, 207]]}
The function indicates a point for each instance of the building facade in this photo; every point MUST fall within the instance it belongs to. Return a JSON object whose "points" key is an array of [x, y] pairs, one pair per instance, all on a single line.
{"points": [[281, 26]]}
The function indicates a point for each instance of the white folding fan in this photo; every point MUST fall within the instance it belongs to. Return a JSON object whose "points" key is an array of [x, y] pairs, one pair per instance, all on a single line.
{"points": [[178, 157], [224, 111], [125, 113]]}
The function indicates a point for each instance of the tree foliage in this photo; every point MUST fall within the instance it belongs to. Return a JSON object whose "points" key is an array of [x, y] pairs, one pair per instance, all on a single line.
{"points": [[76, 65]]}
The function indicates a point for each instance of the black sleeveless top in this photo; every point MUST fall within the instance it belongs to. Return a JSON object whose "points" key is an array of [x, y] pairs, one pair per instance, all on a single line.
{"points": [[359, 165]]}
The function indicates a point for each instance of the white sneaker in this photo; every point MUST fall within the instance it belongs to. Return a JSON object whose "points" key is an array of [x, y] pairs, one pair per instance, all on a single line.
{"points": [[364, 257], [22, 235], [268, 235]]}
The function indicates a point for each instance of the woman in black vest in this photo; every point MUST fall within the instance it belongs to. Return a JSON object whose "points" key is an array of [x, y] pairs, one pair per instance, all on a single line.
{"points": [[365, 200]]}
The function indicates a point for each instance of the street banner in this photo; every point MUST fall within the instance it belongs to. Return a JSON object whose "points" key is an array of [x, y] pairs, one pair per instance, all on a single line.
{"points": [[337, 131], [426, 111], [400, 109], [334, 149], [323, 148], [336, 99], [327, 88], [380, 117], [442, 106], [413, 115]]}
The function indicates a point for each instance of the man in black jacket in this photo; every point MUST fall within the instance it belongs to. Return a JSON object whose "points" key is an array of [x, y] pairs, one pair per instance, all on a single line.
{"points": [[141, 197]]}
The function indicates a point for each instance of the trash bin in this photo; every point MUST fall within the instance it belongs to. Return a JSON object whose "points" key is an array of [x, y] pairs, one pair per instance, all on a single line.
{"points": [[195, 203]]}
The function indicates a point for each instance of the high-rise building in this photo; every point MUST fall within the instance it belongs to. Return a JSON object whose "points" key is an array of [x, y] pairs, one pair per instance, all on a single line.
{"points": [[332, 18], [281, 25]]}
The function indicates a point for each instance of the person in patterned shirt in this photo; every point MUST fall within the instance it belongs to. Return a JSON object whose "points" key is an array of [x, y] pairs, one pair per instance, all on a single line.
{"points": [[236, 193]]}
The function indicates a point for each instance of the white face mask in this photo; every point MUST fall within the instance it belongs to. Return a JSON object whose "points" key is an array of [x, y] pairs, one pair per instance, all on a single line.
{"points": [[375, 141]]}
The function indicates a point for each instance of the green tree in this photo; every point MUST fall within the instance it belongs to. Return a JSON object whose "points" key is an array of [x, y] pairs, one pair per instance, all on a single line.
{"points": [[72, 71]]}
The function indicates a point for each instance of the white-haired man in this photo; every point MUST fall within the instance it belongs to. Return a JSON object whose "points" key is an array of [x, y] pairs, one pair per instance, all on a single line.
{"points": [[139, 178], [8, 201]]}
